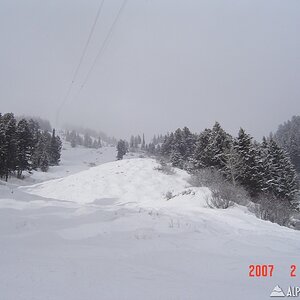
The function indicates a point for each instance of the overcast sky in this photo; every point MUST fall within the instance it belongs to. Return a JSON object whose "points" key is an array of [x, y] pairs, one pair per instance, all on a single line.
{"points": [[168, 63]]}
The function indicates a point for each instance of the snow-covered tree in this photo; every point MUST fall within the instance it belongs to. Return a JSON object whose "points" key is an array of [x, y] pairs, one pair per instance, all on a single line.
{"points": [[54, 149], [248, 175], [10, 146], [122, 149], [201, 158], [87, 141], [167, 145], [2, 148], [280, 176], [24, 145], [143, 143], [288, 137]]}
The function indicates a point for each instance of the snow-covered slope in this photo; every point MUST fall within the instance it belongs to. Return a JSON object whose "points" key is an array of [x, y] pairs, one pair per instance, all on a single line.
{"points": [[110, 232], [74, 160], [130, 181]]}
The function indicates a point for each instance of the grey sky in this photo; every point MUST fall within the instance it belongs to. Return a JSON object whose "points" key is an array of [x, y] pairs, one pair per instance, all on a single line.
{"points": [[169, 63]]}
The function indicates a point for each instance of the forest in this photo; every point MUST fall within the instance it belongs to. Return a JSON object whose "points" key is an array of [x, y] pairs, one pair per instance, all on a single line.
{"points": [[25, 146]]}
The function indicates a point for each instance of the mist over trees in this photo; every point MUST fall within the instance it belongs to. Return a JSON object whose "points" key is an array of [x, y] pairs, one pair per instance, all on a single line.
{"points": [[85, 140], [94, 134], [288, 137], [44, 124], [24, 146]]}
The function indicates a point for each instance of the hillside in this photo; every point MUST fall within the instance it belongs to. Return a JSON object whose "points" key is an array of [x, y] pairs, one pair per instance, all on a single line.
{"points": [[109, 232]]}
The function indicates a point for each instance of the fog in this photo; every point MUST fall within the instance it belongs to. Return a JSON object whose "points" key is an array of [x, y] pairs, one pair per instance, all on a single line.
{"points": [[167, 64]]}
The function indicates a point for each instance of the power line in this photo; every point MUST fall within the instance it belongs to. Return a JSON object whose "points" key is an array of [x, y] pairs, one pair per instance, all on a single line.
{"points": [[103, 44], [80, 60]]}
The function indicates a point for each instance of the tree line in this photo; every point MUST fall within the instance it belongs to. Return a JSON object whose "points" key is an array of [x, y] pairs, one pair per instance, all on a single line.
{"points": [[86, 140], [288, 137], [94, 134], [25, 147], [261, 168]]}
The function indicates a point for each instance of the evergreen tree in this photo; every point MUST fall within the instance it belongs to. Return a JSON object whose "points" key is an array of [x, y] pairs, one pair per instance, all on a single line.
{"points": [[167, 146], [54, 149], [201, 158], [139, 140], [10, 147], [2, 148], [178, 149], [288, 138], [136, 142], [74, 138], [176, 159], [24, 143], [281, 178], [249, 175], [87, 141], [44, 161], [122, 149], [151, 148], [218, 145], [143, 143], [189, 140], [131, 142], [41, 155]]}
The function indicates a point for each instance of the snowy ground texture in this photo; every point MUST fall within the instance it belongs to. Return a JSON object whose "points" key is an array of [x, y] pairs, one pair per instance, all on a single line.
{"points": [[109, 232]]}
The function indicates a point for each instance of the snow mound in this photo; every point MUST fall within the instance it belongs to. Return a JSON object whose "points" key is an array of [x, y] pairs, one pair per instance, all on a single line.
{"points": [[135, 182]]}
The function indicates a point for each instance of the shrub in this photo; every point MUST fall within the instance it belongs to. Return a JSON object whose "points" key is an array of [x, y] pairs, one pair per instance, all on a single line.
{"points": [[224, 193], [270, 208], [165, 168], [217, 201], [169, 195]]}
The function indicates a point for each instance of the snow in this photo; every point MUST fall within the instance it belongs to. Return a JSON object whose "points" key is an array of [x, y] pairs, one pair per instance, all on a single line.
{"points": [[130, 181], [110, 232]]}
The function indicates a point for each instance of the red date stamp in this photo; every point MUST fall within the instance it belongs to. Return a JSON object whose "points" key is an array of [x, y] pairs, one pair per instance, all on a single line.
{"points": [[267, 270]]}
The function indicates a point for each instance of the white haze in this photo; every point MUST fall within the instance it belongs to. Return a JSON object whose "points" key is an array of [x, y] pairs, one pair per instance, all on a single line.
{"points": [[167, 64]]}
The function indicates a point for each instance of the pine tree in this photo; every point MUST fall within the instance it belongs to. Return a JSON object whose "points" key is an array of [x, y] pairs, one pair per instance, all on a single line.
{"points": [[54, 151], [131, 143], [87, 141], [167, 145], [41, 155], [288, 138], [178, 149], [2, 148], [189, 140], [143, 143], [176, 159], [281, 175], [201, 158], [139, 140], [249, 175], [10, 146], [122, 149], [136, 142], [44, 161], [24, 142], [151, 148], [218, 145]]}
